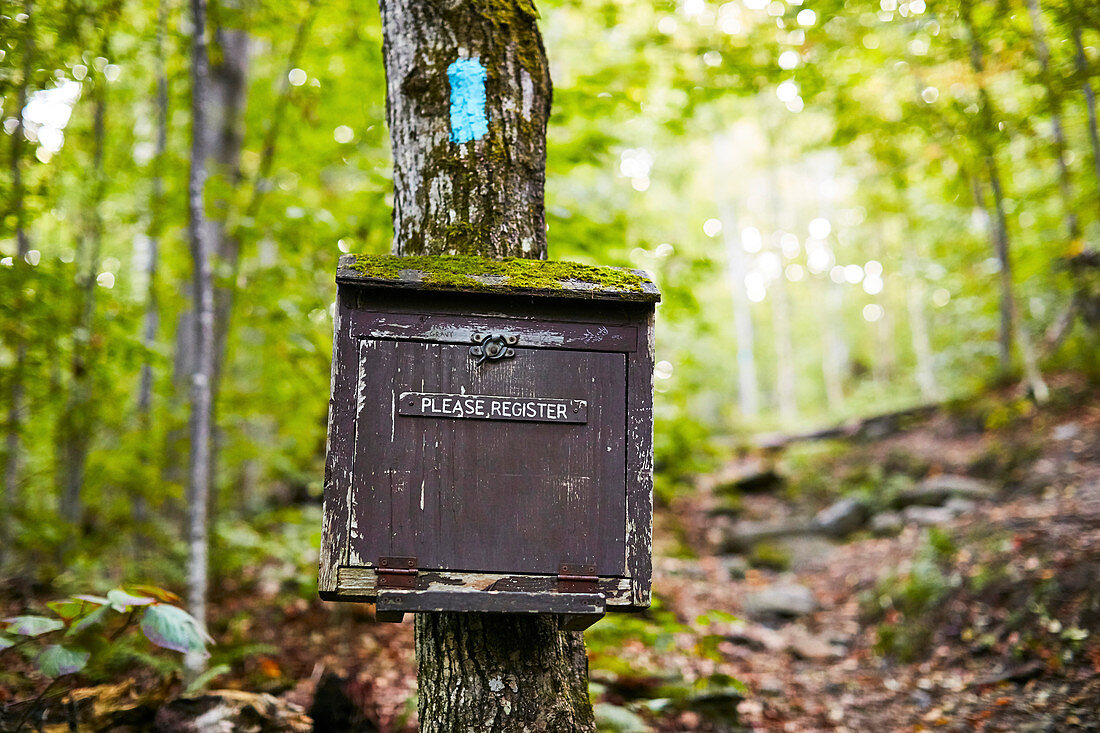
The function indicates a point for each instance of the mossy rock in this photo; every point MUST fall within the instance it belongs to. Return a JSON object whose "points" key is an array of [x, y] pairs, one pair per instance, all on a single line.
{"points": [[510, 276]]}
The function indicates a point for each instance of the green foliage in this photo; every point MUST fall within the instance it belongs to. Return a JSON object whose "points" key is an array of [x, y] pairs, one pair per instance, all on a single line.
{"points": [[770, 556], [906, 602], [88, 633]]}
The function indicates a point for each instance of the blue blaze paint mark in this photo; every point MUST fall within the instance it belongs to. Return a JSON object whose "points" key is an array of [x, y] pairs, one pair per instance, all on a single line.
{"points": [[468, 122]]}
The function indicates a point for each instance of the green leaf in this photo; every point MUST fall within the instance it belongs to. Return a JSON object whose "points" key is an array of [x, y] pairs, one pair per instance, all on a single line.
{"points": [[91, 619], [155, 591], [121, 601], [56, 661], [67, 609], [173, 628], [6, 642], [100, 600], [206, 677], [33, 625]]}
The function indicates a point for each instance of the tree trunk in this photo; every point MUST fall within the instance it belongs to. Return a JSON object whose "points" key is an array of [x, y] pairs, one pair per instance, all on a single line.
{"points": [[1090, 103], [74, 434], [227, 95], [202, 253], [229, 80], [1073, 228], [476, 188], [922, 345], [500, 672], [152, 312], [468, 97], [22, 246], [835, 352], [747, 393], [1011, 321], [781, 303]]}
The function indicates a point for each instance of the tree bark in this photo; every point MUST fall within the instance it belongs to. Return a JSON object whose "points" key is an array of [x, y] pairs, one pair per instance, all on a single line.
{"points": [[473, 188], [202, 253], [500, 672], [22, 247]]}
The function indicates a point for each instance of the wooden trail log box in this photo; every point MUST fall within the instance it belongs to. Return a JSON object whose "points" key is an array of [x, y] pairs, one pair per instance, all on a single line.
{"points": [[490, 444]]}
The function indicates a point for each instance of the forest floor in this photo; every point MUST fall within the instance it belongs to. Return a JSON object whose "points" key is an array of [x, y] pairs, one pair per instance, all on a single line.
{"points": [[986, 621], [981, 615]]}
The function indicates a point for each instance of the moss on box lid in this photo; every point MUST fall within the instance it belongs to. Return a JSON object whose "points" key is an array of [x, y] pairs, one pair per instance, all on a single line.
{"points": [[513, 275]]}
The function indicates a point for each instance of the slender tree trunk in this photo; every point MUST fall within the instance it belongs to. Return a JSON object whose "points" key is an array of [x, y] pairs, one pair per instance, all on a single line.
{"points": [[152, 312], [202, 255], [780, 300], [1090, 104], [922, 345], [748, 392], [1011, 321], [835, 353], [227, 95], [476, 187], [22, 247], [229, 79], [75, 426], [784, 350], [1073, 228]]}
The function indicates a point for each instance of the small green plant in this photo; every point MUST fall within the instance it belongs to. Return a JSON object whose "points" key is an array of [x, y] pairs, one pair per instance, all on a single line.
{"points": [[84, 631], [770, 556], [902, 602]]}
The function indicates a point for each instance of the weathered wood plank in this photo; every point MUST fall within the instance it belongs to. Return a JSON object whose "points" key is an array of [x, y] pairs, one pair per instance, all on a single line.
{"points": [[590, 604], [340, 450], [361, 583], [448, 329], [639, 467]]}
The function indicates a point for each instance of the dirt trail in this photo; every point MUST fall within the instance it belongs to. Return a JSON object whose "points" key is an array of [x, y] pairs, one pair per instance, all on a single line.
{"points": [[1000, 621]]}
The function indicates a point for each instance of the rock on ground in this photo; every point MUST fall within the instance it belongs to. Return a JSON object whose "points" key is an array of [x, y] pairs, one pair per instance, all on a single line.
{"points": [[742, 536], [936, 490], [841, 519], [787, 599], [887, 524]]}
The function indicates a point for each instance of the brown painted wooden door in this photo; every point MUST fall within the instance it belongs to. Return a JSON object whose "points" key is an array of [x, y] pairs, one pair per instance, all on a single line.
{"points": [[486, 495]]}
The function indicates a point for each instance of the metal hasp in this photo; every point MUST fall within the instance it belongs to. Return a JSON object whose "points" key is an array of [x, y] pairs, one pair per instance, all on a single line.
{"points": [[492, 347], [396, 572], [577, 578]]}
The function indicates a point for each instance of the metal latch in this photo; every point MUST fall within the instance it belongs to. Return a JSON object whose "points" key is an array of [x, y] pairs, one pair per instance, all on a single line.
{"points": [[577, 578], [492, 346], [396, 572]]}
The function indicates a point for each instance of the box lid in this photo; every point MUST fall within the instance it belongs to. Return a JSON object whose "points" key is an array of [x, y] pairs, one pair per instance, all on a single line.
{"points": [[512, 276]]}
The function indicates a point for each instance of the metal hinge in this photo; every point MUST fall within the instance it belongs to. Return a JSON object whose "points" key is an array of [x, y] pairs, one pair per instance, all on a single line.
{"points": [[577, 578], [396, 572]]}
